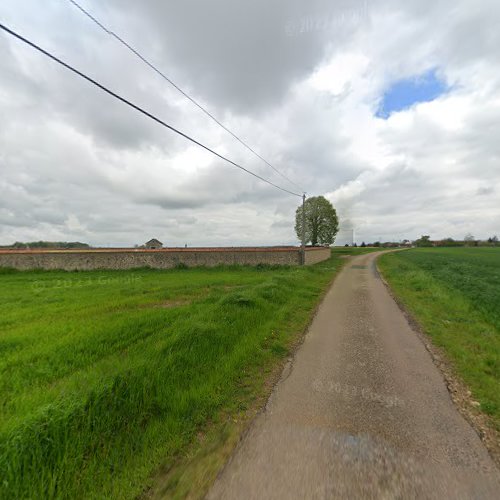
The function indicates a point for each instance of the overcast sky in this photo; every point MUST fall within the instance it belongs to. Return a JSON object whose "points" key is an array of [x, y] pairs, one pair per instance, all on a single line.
{"points": [[390, 109]]}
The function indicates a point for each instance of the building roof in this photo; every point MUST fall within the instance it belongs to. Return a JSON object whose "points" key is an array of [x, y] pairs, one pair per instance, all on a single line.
{"points": [[154, 241]]}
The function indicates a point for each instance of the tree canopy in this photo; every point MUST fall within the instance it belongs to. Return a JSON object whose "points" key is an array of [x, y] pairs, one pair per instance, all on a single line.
{"points": [[322, 224], [423, 241], [48, 244]]}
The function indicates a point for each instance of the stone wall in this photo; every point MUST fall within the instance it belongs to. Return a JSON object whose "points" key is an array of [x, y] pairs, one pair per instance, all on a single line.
{"points": [[315, 255], [71, 260]]}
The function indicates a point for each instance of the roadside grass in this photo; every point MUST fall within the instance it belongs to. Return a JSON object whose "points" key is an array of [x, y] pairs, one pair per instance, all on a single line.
{"points": [[454, 294], [109, 378], [355, 250]]}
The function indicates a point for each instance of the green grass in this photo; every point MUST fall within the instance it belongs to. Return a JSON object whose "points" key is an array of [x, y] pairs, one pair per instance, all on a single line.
{"points": [[108, 377], [454, 294], [354, 250]]}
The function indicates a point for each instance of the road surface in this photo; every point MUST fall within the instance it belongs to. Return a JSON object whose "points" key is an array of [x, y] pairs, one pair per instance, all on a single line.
{"points": [[360, 412]]}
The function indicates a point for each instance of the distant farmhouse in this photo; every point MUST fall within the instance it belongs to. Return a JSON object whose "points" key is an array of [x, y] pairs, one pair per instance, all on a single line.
{"points": [[154, 244]]}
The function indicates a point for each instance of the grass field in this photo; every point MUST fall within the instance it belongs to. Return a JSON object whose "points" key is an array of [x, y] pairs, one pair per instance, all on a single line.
{"points": [[454, 294], [108, 377]]}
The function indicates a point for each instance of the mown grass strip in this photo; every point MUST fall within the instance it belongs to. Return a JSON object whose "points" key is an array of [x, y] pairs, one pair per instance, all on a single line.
{"points": [[108, 376]]}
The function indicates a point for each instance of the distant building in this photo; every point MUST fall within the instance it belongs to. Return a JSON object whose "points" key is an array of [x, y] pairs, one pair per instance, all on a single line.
{"points": [[154, 244]]}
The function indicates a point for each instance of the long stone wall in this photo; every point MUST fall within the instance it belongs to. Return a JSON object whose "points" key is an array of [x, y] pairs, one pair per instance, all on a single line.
{"points": [[72, 260]]}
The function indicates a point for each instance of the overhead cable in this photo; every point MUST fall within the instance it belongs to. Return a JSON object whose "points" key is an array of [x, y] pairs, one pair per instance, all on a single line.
{"points": [[185, 94], [139, 109]]}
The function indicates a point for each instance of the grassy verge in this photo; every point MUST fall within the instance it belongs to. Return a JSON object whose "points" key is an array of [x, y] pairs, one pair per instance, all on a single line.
{"points": [[455, 296], [354, 250], [109, 377]]}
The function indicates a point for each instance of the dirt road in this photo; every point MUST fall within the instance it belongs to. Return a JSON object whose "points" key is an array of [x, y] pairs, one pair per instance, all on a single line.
{"points": [[360, 412]]}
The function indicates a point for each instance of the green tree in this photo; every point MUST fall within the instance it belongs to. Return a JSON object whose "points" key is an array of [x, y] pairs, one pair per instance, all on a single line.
{"points": [[469, 240], [322, 224], [450, 242], [423, 241]]}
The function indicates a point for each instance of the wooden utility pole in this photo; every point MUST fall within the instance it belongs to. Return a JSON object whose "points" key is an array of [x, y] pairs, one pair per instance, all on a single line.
{"points": [[303, 245]]}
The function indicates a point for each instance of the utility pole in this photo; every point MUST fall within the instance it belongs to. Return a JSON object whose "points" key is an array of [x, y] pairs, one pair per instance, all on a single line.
{"points": [[303, 245]]}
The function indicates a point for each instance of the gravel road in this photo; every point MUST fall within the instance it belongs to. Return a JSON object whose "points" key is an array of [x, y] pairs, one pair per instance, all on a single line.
{"points": [[360, 412]]}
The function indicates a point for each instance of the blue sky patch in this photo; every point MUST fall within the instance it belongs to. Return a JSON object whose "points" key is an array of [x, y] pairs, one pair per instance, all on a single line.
{"points": [[405, 93]]}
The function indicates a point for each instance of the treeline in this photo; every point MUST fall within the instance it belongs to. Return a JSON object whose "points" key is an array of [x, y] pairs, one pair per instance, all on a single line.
{"points": [[468, 241], [425, 241], [385, 244], [67, 245]]}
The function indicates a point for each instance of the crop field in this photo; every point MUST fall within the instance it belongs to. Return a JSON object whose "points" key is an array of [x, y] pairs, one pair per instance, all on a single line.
{"points": [[109, 377], [454, 294]]}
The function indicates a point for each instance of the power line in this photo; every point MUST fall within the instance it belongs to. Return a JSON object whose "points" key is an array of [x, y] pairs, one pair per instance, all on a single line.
{"points": [[141, 110], [185, 94]]}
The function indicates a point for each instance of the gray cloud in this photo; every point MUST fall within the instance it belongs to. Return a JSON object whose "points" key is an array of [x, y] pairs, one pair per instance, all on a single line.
{"points": [[245, 56]]}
